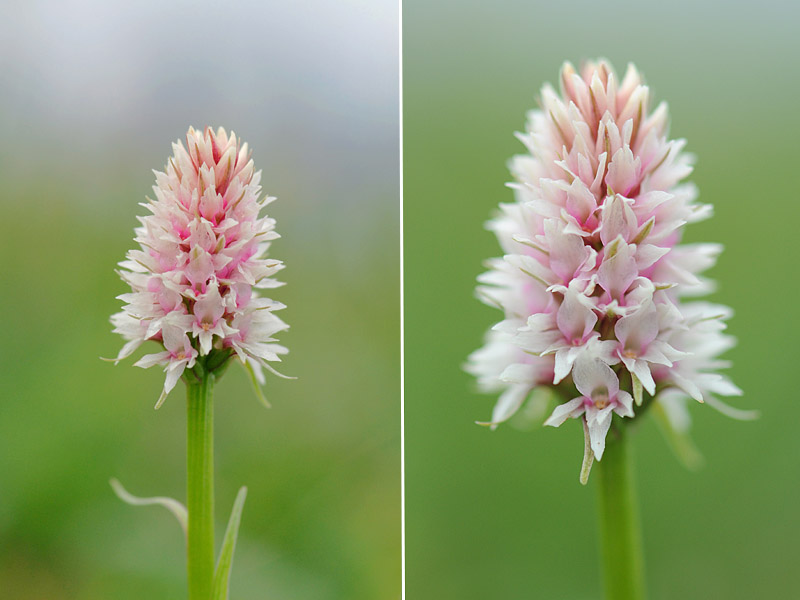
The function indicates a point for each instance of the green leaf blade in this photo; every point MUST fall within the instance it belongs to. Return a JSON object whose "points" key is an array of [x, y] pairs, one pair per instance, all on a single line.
{"points": [[223, 571]]}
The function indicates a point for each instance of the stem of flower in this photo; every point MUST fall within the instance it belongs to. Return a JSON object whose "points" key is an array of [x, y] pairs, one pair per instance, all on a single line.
{"points": [[200, 485], [620, 531]]}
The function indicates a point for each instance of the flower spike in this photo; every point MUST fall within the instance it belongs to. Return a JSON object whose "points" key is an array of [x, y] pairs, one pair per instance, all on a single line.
{"points": [[593, 282], [200, 263]]}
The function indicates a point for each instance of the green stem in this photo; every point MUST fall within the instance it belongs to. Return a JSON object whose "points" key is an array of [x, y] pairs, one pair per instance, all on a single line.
{"points": [[620, 531], [200, 485]]}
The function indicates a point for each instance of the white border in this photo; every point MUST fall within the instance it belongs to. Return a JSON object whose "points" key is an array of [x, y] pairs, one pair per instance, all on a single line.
{"points": [[402, 320]]}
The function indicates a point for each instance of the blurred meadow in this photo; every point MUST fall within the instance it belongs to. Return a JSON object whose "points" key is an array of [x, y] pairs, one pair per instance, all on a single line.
{"points": [[501, 514], [92, 94]]}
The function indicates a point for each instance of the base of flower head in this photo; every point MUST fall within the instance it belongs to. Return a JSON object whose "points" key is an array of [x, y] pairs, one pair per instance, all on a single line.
{"points": [[214, 363]]}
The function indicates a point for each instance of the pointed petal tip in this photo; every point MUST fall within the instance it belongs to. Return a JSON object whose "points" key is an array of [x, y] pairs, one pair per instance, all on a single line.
{"points": [[160, 400], [272, 370]]}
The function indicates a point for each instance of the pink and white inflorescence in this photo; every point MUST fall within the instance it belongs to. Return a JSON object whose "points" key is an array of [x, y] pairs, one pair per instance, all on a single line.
{"points": [[593, 282], [201, 260]]}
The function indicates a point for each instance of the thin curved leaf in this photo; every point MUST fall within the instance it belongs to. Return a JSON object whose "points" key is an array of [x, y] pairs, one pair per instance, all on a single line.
{"points": [[172, 505], [223, 571]]}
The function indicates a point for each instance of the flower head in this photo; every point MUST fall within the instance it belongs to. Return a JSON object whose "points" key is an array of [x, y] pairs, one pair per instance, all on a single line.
{"points": [[201, 259], [593, 282]]}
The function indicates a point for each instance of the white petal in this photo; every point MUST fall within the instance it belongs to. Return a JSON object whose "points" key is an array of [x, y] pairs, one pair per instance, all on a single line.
{"points": [[642, 371], [624, 407], [648, 254], [149, 360], [128, 349], [662, 353], [687, 386], [518, 373], [603, 415], [597, 435], [531, 266], [617, 219], [590, 373], [618, 269], [565, 358], [508, 403], [567, 251], [173, 374], [205, 338], [574, 317], [562, 412], [623, 171], [637, 329]]}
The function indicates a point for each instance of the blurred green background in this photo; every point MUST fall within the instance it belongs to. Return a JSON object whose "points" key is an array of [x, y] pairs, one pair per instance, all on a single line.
{"points": [[91, 96], [501, 514]]}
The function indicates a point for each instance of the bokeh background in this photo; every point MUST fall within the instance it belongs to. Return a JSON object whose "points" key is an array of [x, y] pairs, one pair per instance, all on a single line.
{"points": [[501, 514], [92, 94]]}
